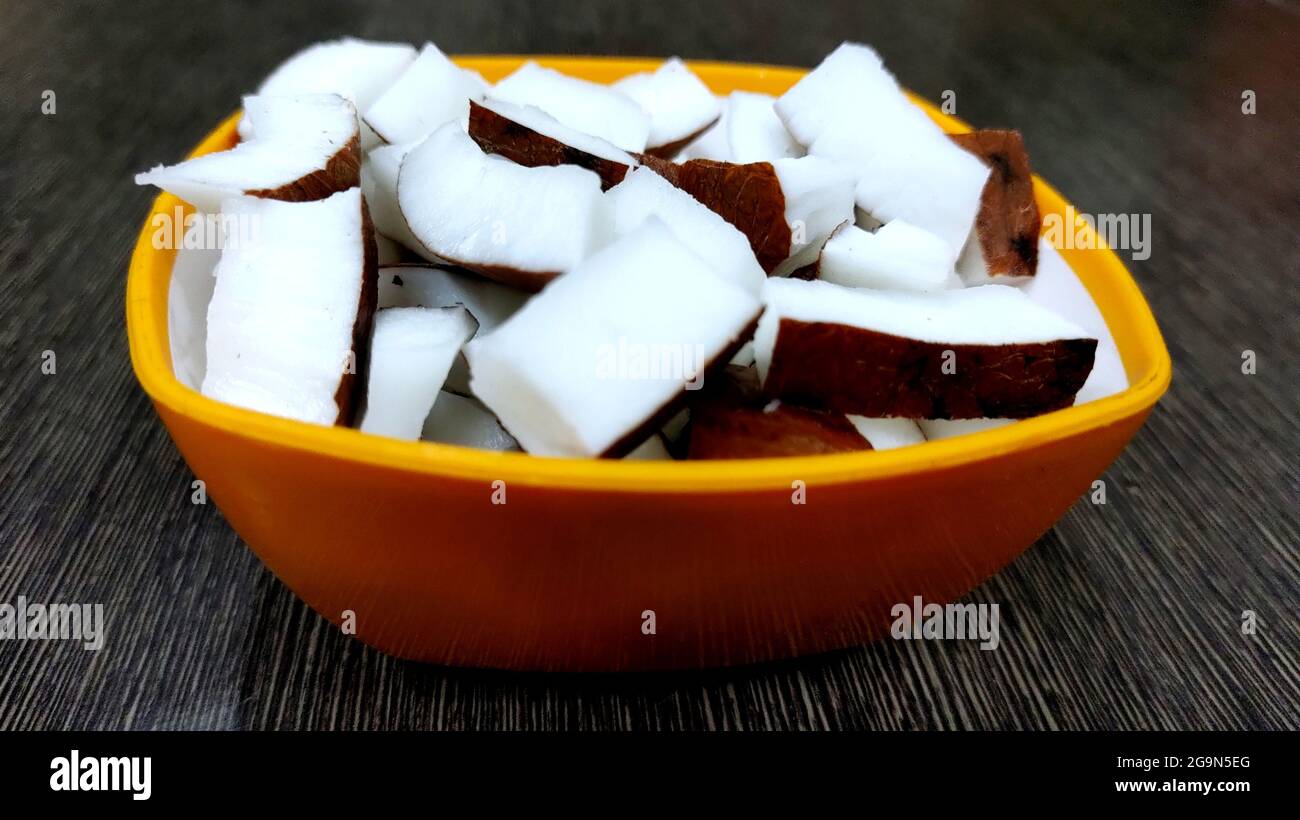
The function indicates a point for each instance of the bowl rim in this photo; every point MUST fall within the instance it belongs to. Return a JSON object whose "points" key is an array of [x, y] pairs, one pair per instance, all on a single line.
{"points": [[151, 360]]}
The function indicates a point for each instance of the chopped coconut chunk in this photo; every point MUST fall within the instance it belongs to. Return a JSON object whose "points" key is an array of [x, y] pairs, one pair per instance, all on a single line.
{"points": [[289, 321], [679, 104], [604, 353], [430, 92], [898, 256], [589, 107], [522, 226], [986, 351], [644, 193], [465, 421], [306, 148], [818, 199], [755, 133], [888, 434], [907, 167], [410, 355]]}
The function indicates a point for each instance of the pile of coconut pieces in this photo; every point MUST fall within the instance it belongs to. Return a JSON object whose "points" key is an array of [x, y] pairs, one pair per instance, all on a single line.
{"points": [[582, 270]]}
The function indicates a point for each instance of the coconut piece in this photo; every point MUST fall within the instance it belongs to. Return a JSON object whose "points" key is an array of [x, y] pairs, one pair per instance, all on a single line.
{"points": [[755, 133], [907, 168], [937, 429], [747, 196], [888, 434], [777, 223], [306, 148], [491, 303], [357, 70], [785, 208], [430, 92], [733, 419], [818, 199], [1004, 244], [899, 256], [589, 107], [188, 294], [465, 421], [780, 223], [289, 322], [644, 194], [713, 143], [411, 352], [606, 352], [972, 353], [680, 106], [531, 137], [379, 185], [1057, 288], [521, 226]]}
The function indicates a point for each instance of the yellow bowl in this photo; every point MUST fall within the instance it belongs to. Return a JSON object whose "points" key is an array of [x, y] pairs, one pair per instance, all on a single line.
{"points": [[405, 541]]}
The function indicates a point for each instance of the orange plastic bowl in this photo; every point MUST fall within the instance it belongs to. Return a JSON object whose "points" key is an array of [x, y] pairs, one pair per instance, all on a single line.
{"points": [[404, 540]]}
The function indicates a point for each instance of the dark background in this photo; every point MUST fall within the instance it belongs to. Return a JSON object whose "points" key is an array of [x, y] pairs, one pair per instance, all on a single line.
{"points": [[1124, 616]]}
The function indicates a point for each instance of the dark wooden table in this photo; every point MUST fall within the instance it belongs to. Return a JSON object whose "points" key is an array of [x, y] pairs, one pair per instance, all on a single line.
{"points": [[1126, 615]]}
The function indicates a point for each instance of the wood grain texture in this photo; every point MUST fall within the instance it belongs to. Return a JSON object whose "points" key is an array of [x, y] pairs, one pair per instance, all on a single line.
{"points": [[1125, 615]]}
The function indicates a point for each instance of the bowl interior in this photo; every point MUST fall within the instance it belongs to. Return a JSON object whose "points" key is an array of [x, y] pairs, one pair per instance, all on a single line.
{"points": [[1146, 360]]}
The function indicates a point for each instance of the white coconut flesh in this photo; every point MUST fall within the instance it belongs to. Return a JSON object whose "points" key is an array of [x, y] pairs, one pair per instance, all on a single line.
{"points": [[907, 168], [491, 303], [755, 133], [644, 193], [898, 256], [589, 107], [888, 434], [534, 118], [1057, 288], [284, 314], [712, 144], [974, 269], [357, 70], [678, 103], [490, 214], [431, 91], [465, 421], [188, 294], [608, 347], [411, 352], [818, 199], [297, 137], [938, 429], [379, 172]]}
